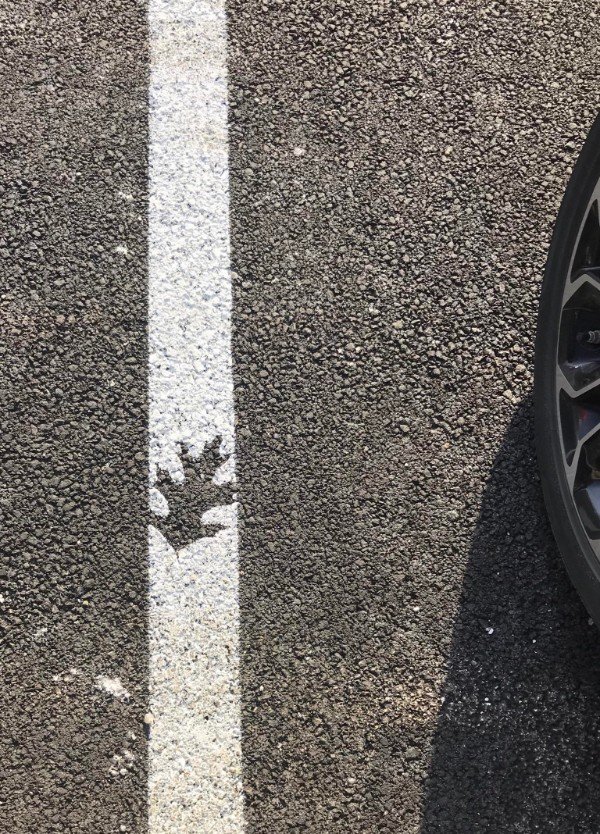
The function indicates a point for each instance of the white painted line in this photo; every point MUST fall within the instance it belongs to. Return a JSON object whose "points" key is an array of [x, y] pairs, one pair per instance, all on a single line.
{"points": [[195, 752]]}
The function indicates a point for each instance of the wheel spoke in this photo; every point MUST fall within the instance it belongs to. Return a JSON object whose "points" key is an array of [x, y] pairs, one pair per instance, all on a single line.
{"points": [[578, 350], [562, 383], [579, 418], [578, 375], [587, 501], [587, 251], [587, 278], [573, 466], [582, 468]]}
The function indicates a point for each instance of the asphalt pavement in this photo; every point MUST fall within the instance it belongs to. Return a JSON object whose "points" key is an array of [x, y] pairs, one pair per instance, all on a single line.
{"points": [[73, 395], [412, 658]]}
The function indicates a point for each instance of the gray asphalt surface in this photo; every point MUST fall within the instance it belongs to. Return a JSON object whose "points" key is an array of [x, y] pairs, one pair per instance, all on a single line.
{"points": [[413, 658], [73, 396]]}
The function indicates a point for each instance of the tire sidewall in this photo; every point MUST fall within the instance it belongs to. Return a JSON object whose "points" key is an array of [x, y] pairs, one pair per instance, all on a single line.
{"points": [[581, 562]]}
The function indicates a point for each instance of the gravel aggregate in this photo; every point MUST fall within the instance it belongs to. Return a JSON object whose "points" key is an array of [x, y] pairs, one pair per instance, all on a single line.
{"points": [[413, 657], [73, 570]]}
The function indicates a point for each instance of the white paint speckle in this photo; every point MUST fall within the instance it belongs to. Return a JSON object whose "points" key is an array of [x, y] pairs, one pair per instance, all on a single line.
{"points": [[112, 686]]}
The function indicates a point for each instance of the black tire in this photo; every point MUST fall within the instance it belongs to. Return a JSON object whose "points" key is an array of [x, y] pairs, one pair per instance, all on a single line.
{"points": [[560, 345]]}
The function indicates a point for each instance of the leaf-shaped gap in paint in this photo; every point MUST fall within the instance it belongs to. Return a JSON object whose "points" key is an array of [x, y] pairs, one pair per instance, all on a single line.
{"points": [[190, 499]]}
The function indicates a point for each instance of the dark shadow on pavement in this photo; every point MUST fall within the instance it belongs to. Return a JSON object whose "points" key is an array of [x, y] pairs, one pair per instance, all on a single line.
{"points": [[517, 747]]}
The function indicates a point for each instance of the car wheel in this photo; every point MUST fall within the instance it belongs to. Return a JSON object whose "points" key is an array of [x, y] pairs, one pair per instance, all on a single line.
{"points": [[567, 377]]}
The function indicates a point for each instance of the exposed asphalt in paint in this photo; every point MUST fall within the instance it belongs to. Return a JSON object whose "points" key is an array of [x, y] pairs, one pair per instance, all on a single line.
{"points": [[413, 657], [73, 414]]}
